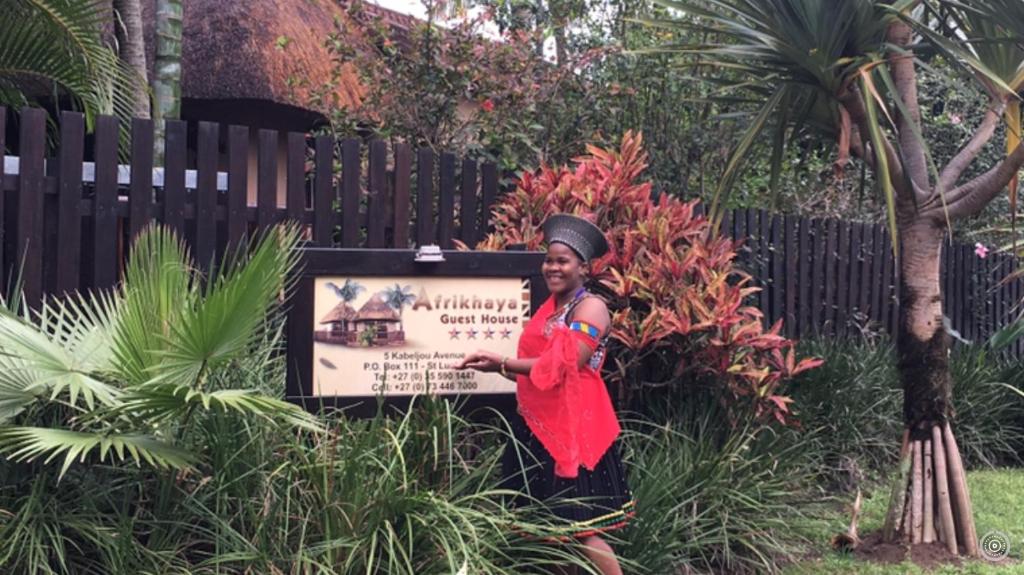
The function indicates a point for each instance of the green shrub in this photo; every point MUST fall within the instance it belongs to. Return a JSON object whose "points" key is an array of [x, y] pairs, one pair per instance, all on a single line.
{"points": [[710, 497], [850, 408]]}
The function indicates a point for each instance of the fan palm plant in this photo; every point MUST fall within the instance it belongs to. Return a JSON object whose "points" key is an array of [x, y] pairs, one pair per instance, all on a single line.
{"points": [[54, 48], [122, 376], [850, 68]]}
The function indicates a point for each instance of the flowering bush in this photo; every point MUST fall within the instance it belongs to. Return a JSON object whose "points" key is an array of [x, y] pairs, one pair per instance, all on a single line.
{"points": [[450, 88], [677, 299]]}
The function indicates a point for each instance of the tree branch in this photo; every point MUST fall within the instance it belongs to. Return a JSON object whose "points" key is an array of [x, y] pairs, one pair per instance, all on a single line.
{"points": [[973, 196], [851, 99], [858, 150], [955, 168], [901, 63]]}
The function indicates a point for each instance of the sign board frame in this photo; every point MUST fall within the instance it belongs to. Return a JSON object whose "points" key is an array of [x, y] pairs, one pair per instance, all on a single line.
{"points": [[320, 262]]}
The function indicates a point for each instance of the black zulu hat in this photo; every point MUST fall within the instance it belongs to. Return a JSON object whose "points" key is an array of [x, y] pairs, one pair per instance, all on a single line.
{"points": [[586, 239]]}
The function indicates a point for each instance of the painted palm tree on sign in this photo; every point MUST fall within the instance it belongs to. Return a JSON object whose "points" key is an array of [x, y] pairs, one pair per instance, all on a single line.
{"points": [[397, 297], [848, 69], [347, 292]]}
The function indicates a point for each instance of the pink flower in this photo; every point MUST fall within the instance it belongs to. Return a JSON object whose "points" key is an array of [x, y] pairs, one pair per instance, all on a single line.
{"points": [[955, 119], [487, 105], [980, 250]]}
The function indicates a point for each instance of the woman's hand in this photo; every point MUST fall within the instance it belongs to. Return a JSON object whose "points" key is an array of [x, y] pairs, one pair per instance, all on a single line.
{"points": [[486, 361]]}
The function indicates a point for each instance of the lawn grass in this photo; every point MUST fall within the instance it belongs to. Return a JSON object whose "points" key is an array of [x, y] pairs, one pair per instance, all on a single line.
{"points": [[998, 498]]}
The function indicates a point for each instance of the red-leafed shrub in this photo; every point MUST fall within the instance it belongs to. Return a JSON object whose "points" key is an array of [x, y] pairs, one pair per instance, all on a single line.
{"points": [[677, 297]]}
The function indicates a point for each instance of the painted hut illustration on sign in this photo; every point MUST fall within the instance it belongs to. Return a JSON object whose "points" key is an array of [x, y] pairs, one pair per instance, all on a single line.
{"points": [[340, 328], [377, 323]]}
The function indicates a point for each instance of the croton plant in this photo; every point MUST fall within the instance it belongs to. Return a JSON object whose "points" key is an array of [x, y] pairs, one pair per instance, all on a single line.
{"points": [[679, 301]]}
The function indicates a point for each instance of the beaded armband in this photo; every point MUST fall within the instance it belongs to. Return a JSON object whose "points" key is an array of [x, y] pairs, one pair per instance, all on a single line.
{"points": [[585, 328]]}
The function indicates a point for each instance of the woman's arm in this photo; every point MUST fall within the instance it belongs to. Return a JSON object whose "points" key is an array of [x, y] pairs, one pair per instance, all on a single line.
{"points": [[592, 311]]}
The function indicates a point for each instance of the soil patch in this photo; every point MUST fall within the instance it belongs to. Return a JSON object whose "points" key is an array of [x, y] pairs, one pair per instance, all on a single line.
{"points": [[924, 555]]}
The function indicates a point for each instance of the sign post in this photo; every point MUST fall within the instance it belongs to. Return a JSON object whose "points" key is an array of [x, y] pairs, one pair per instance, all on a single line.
{"points": [[369, 325]]}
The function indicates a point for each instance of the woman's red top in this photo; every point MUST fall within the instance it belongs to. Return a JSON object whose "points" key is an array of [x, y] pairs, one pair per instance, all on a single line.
{"points": [[567, 407]]}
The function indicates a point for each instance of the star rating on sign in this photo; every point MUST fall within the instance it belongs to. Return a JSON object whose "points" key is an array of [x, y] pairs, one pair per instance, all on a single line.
{"points": [[454, 333], [506, 333], [471, 333], [488, 333]]}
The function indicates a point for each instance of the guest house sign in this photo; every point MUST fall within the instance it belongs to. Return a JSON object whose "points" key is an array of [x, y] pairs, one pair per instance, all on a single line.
{"points": [[401, 335], [379, 324]]}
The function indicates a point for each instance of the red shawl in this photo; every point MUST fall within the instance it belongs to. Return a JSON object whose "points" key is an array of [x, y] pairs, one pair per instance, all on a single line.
{"points": [[565, 406]]}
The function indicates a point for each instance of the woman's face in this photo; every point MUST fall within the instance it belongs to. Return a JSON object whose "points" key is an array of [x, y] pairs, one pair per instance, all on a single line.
{"points": [[563, 270]]}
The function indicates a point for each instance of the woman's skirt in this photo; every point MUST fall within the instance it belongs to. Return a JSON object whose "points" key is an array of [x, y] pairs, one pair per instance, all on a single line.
{"points": [[593, 502]]}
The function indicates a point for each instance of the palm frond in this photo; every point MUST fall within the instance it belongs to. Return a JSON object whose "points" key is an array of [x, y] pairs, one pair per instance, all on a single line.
{"points": [[164, 402], [31, 443], [56, 45]]}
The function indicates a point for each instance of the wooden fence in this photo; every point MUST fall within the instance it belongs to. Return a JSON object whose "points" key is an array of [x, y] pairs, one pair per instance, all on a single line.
{"points": [[837, 278], [65, 220], [75, 214]]}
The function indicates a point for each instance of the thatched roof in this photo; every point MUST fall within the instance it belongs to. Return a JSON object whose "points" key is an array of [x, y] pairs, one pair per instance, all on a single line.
{"points": [[341, 312], [376, 310], [230, 50]]}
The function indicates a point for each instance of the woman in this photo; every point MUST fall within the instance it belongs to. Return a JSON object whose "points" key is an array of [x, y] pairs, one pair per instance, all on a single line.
{"points": [[567, 425]]}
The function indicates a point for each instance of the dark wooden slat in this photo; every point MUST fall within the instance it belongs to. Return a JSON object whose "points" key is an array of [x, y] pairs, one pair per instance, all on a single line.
{"points": [[820, 230], [831, 280], [69, 222], [791, 259], [959, 293], [266, 179], [295, 198], [843, 279], [140, 192], [878, 282], [853, 297], [725, 230], [425, 196], [29, 211], [762, 261], [971, 303], [206, 194], [105, 228], [866, 246], [898, 290], [777, 251], [403, 195], [323, 192], [238, 184], [378, 195], [489, 193], [804, 281], [173, 194], [468, 214], [886, 283], [350, 170], [753, 247], [446, 201]]}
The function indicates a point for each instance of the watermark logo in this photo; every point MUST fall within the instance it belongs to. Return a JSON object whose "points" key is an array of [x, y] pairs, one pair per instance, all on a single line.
{"points": [[994, 545]]}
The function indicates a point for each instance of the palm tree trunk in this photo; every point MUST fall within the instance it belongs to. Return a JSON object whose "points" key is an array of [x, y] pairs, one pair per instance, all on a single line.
{"points": [[167, 83], [131, 48], [923, 353]]}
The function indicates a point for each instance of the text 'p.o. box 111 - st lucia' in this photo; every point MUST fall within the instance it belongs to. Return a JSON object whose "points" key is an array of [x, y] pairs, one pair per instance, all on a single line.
{"points": [[379, 324]]}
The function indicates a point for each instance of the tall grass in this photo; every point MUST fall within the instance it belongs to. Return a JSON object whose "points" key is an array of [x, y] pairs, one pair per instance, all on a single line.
{"points": [[711, 498]]}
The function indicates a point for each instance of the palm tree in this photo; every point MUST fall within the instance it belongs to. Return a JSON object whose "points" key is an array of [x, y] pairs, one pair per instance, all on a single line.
{"points": [[849, 67], [52, 47], [167, 81], [125, 375], [397, 297], [131, 48], [347, 292]]}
